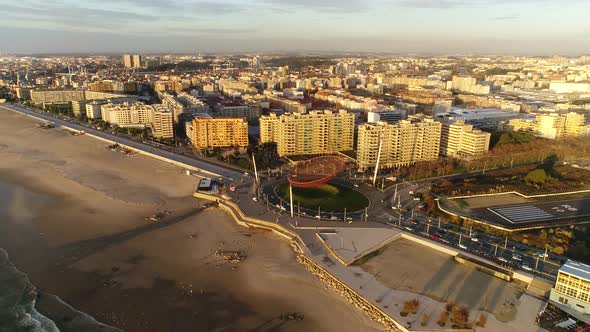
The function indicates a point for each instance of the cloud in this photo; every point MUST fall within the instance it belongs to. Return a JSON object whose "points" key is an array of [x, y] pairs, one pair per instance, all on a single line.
{"points": [[450, 4], [124, 17], [506, 18], [324, 6]]}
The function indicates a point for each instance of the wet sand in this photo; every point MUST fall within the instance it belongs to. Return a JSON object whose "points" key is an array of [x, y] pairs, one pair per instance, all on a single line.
{"points": [[72, 218]]}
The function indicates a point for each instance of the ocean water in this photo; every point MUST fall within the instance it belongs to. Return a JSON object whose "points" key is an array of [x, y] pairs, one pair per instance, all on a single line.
{"points": [[17, 301], [18, 296], [17, 293]]}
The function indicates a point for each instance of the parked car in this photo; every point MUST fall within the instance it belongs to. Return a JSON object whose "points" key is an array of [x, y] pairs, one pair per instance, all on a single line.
{"points": [[502, 259], [462, 246], [527, 268]]}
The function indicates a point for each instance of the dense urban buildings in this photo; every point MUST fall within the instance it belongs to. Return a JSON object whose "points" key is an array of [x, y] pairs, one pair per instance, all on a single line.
{"points": [[311, 133]]}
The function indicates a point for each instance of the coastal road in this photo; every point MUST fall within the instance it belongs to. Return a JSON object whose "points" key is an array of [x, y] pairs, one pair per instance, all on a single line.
{"points": [[209, 169]]}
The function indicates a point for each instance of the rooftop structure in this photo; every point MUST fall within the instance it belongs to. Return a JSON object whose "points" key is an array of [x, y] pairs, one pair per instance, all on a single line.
{"points": [[572, 288]]}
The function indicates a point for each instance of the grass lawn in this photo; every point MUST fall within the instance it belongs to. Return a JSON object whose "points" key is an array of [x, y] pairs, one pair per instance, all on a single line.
{"points": [[329, 197]]}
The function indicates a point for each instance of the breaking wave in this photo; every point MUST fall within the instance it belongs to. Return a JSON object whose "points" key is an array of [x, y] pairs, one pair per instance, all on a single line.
{"points": [[24, 309]]}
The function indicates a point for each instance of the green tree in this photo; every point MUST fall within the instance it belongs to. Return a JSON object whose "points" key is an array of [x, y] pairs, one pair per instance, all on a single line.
{"points": [[267, 156], [537, 177]]}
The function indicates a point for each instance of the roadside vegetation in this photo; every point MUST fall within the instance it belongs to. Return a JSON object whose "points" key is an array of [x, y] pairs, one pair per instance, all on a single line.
{"points": [[533, 179], [510, 149]]}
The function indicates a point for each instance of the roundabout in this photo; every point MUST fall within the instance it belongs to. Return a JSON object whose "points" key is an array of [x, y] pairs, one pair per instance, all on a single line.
{"points": [[329, 197]]}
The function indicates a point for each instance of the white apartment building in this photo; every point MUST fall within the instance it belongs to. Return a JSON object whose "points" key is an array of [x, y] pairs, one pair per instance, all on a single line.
{"points": [[139, 115]]}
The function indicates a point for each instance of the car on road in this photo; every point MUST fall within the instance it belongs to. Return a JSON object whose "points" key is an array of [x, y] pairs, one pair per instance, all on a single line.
{"points": [[517, 257], [255, 199], [435, 237], [462, 246], [355, 185], [474, 239], [526, 267], [408, 228], [502, 259]]}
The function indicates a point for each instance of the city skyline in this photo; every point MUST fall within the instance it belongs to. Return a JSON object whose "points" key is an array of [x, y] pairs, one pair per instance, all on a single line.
{"points": [[525, 27]]}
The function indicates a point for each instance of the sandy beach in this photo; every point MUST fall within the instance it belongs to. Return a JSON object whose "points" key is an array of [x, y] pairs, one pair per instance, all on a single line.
{"points": [[72, 218]]}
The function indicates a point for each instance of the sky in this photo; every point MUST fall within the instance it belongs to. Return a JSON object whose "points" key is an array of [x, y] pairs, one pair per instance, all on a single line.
{"points": [[528, 27]]}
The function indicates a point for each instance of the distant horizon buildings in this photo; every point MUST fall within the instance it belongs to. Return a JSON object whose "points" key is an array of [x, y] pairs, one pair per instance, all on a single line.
{"points": [[132, 60]]}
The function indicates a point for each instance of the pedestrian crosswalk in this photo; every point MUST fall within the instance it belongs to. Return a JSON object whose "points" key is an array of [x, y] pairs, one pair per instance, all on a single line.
{"points": [[521, 213]]}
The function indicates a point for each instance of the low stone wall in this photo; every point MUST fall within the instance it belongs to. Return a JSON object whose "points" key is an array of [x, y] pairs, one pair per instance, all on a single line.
{"points": [[523, 195], [485, 268], [350, 295], [430, 244]]}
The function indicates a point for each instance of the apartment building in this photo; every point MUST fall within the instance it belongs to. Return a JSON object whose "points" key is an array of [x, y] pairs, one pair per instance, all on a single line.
{"points": [[389, 116], [132, 60], [162, 124], [461, 140], [316, 132], [93, 110], [403, 143], [553, 126], [572, 288], [469, 85], [219, 132], [173, 105], [67, 96], [138, 115], [56, 96], [291, 106], [233, 110]]}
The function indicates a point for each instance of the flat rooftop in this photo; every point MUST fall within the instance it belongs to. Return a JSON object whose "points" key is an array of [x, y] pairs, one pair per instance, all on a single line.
{"points": [[536, 214], [576, 269]]}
